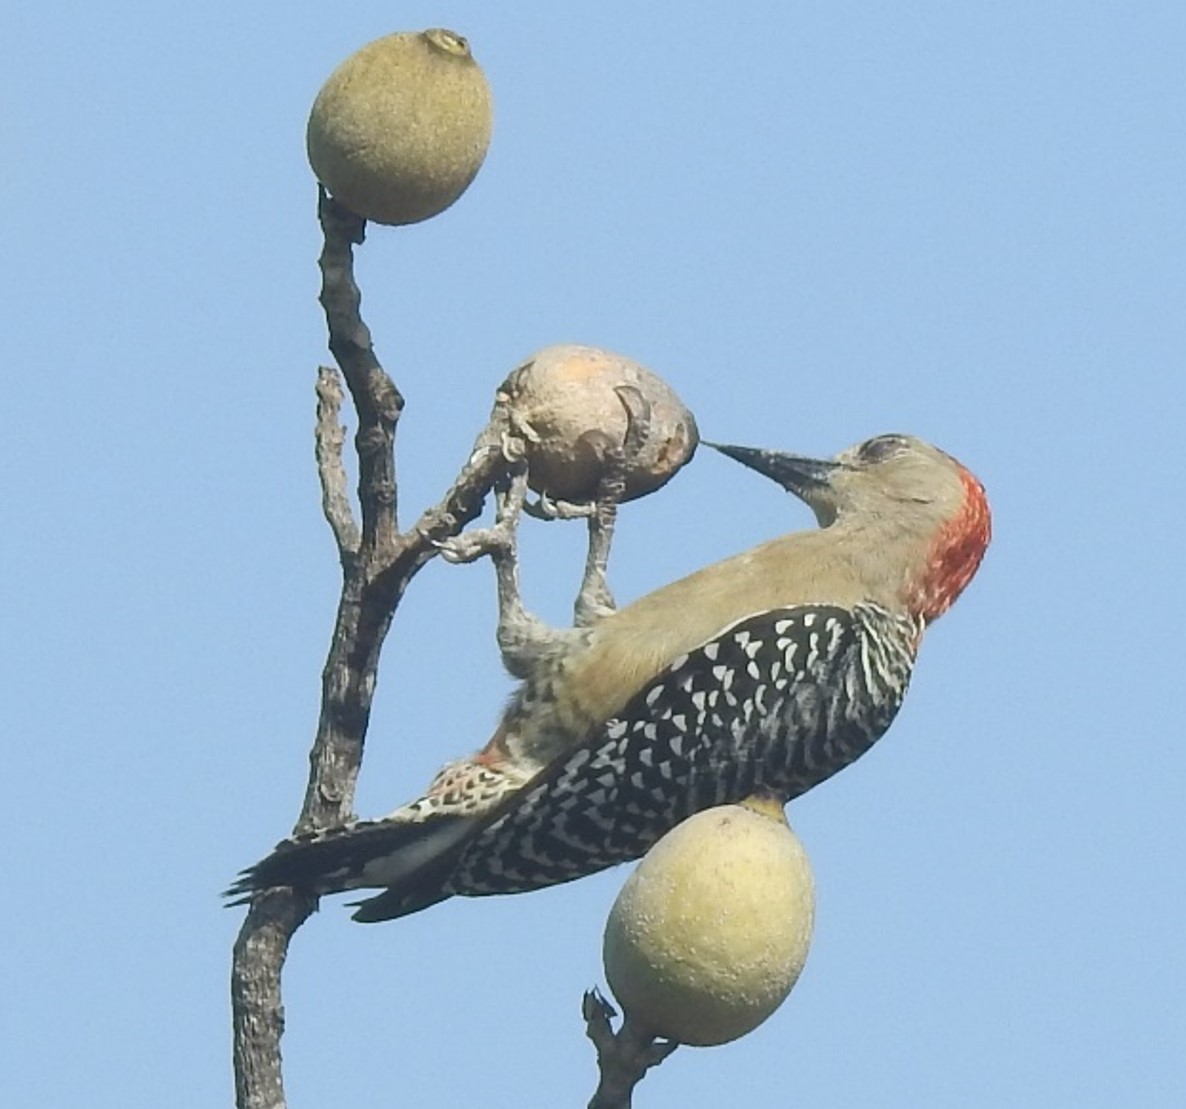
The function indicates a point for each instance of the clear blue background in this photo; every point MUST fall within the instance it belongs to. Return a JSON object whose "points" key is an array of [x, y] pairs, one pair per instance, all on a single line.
{"points": [[819, 221]]}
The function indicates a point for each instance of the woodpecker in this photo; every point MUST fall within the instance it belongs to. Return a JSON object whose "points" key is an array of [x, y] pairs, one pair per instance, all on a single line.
{"points": [[765, 673]]}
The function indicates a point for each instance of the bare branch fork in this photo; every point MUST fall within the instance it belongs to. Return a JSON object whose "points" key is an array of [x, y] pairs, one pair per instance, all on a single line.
{"points": [[378, 561]]}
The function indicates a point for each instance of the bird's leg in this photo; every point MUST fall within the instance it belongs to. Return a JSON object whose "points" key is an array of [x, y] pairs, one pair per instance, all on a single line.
{"points": [[594, 599], [524, 640]]}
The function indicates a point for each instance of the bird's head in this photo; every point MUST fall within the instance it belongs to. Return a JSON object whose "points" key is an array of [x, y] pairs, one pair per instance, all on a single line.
{"points": [[898, 491]]}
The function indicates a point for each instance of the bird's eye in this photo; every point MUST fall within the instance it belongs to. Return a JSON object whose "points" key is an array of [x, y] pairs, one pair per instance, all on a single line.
{"points": [[880, 448]]}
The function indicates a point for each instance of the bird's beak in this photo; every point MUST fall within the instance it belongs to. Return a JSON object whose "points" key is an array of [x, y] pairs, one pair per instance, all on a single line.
{"points": [[794, 472]]}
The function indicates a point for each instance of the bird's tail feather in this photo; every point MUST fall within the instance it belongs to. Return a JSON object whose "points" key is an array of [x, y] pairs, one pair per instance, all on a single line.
{"points": [[403, 855], [394, 903]]}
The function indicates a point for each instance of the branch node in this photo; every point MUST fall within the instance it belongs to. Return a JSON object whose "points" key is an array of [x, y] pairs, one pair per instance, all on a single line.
{"points": [[623, 1058]]}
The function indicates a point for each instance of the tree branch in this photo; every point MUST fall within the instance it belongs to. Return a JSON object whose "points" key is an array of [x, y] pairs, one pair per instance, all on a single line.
{"points": [[330, 437], [377, 565], [255, 995], [623, 1058], [376, 399], [462, 504]]}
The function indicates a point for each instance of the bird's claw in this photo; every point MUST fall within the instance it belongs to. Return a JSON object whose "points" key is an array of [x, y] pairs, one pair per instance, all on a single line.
{"points": [[548, 508], [514, 446], [469, 546]]}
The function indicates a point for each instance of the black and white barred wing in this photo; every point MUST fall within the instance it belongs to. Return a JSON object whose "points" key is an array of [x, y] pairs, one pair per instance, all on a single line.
{"points": [[777, 702]]}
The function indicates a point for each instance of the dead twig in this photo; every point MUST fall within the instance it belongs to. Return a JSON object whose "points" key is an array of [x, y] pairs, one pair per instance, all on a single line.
{"points": [[330, 438]]}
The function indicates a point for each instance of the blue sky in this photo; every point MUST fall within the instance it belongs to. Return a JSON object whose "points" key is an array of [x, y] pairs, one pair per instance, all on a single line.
{"points": [[818, 222]]}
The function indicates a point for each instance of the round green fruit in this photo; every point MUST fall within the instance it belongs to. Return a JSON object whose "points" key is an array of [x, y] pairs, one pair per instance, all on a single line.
{"points": [[401, 127], [712, 929]]}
